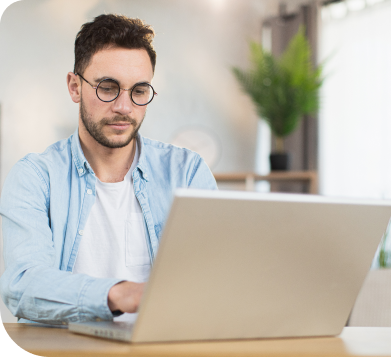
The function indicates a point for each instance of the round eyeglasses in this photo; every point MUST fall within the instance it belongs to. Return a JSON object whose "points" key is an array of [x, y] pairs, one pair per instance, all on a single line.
{"points": [[108, 90]]}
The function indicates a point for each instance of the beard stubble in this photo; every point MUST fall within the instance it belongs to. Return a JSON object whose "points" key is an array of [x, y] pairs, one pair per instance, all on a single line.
{"points": [[95, 129]]}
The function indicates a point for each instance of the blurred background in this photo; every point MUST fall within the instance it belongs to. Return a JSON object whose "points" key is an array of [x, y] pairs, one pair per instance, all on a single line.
{"points": [[343, 150]]}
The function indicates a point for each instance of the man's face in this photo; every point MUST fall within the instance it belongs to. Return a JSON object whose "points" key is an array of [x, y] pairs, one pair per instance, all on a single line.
{"points": [[114, 124]]}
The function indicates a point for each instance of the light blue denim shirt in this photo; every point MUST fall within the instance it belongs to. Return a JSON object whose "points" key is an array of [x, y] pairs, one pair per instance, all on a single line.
{"points": [[45, 203]]}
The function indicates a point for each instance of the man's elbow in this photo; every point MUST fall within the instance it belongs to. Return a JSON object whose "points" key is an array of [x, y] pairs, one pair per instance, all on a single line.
{"points": [[10, 290]]}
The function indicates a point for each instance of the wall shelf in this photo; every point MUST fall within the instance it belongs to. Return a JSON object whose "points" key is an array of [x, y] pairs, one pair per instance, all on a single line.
{"points": [[308, 177]]}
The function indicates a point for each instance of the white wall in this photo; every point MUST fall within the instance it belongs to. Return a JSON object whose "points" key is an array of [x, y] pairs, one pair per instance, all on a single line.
{"points": [[355, 117]]}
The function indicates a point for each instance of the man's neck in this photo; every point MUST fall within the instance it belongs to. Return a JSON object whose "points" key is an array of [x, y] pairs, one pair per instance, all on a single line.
{"points": [[109, 165]]}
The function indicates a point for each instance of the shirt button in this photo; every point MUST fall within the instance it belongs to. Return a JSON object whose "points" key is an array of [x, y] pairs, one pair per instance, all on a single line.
{"points": [[81, 232], [89, 191], [81, 171]]}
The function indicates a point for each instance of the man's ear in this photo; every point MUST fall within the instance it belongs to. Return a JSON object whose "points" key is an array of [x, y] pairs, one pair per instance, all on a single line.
{"points": [[74, 87]]}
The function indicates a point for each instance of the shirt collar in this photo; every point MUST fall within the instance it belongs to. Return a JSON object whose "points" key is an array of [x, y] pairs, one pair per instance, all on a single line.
{"points": [[142, 162], [83, 166], [78, 157]]}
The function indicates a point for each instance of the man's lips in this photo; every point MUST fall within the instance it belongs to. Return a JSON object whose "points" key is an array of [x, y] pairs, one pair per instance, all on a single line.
{"points": [[119, 126]]}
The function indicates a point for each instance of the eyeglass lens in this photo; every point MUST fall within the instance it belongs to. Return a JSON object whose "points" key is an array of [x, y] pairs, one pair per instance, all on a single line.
{"points": [[109, 89], [142, 94]]}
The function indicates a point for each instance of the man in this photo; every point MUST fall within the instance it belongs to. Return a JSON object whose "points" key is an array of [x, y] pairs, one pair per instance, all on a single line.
{"points": [[82, 221]]}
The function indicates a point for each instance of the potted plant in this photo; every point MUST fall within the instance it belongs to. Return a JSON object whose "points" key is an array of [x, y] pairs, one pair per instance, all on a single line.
{"points": [[283, 89]]}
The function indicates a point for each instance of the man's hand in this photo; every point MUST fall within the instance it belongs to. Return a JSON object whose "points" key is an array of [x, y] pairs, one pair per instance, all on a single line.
{"points": [[125, 296]]}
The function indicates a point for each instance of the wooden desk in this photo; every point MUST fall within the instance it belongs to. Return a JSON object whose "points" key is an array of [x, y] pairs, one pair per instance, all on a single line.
{"points": [[354, 341], [249, 178]]}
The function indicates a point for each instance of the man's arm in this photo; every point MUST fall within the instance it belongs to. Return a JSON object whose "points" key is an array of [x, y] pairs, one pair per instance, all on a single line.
{"points": [[33, 286]]}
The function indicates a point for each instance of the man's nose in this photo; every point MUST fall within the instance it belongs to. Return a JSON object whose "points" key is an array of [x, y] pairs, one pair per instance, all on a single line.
{"points": [[123, 104]]}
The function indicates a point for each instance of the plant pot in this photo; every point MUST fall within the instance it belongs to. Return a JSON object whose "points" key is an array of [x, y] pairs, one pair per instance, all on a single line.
{"points": [[279, 161]]}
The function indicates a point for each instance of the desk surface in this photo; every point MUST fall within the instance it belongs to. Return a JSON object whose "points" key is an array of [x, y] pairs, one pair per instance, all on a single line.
{"points": [[354, 341]]}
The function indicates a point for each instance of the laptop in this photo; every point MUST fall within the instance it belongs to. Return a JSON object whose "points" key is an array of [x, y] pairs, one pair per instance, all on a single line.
{"points": [[241, 265]]}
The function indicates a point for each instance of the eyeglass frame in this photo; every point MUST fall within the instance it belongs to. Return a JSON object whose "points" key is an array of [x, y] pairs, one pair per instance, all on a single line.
{"points": [[130, 89]]}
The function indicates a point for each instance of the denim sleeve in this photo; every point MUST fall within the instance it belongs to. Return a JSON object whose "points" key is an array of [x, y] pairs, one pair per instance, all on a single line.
{"points": [[33, 287], [201, 176]]}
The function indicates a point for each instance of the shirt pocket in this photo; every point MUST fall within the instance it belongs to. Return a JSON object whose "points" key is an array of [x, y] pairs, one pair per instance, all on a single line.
{"points": [[136, 246]]}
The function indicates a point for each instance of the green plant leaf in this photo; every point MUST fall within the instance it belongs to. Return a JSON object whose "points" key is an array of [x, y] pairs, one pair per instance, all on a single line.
{"points": [[383, 253], [283, 89]]}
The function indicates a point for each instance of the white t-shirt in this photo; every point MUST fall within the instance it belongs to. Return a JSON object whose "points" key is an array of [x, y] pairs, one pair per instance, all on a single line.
{"points": [[114, 244]]}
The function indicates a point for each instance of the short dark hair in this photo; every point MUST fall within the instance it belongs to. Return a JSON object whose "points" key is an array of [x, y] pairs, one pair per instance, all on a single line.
{"points": [[112, 30]]}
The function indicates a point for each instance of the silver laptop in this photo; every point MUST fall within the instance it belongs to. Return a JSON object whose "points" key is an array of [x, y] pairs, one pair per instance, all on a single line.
{"points": [[236, 265]]}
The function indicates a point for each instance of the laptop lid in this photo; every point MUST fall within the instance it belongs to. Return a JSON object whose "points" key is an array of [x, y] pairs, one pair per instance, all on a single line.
{"points": [[235, 265]]}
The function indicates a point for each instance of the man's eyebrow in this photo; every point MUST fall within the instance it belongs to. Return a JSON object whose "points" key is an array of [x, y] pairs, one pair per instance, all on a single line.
{"points": [[100, 79]]}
